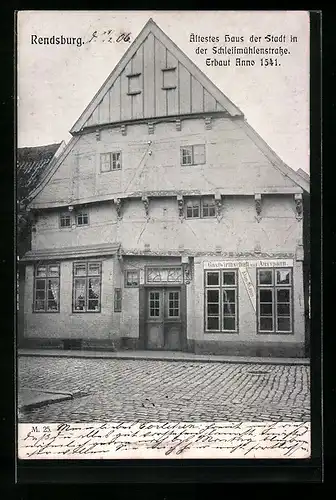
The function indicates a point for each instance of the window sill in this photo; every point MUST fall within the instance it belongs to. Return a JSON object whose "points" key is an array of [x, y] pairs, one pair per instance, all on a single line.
{"points": [[136, 92], [169, 88], [86, 312], [227, 332], [275, 333], [45, 312], [191, 164]]}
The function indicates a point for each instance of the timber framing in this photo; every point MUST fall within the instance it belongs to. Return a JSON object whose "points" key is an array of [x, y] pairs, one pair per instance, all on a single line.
{"points": [[272, 190]]}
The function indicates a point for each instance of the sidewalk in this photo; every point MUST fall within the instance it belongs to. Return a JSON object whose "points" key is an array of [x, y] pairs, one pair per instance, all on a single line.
{"points": [[29, 398], [162, 356]]}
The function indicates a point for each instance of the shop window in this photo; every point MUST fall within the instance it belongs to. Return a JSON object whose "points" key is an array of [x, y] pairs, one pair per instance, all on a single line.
{"points": [[131, 278], [110, 161], [117, 299], [86, 287], [65, 220], [275, 300], [221, 297], [46, 288], [193, 155], [82, 219]]}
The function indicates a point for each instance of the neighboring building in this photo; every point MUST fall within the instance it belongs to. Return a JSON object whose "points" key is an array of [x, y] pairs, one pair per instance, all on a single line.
{"points": [[31, 165], [167, 222]]}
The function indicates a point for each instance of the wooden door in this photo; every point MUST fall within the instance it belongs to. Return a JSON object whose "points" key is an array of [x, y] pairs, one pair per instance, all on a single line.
{"points": [[163, 322]]}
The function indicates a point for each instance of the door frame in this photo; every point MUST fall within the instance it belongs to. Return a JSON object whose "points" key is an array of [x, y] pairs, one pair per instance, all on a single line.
{"points": [[143, 308]]}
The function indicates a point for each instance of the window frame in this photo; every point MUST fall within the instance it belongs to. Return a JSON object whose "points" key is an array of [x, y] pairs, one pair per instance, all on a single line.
{"points": [[46, 278], [274, 288], [192, 146], [191, 200], [200, 200], [87, 276], [110, 155], [133, 77], [137, 271], [168, 71], [221, 287], [211, 203], [82, 213], [168, 267], [167, 315], [63, 216]]}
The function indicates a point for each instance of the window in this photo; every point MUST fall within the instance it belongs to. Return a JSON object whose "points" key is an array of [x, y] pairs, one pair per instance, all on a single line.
{"points": [[46, 288], [117, 300], [65, 220], [87, 287], [193, 155], [193, 208], [82, 219], [110, 161], [169, 78], [134, 84], [173, 304], [274, 300], [208, 208], [164, 275], [199, 207], [221, 296], [154, 304], [132, 278]]}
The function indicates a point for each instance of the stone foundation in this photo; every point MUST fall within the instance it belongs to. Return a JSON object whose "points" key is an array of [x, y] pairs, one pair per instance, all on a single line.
{"points": [[278, 350]]}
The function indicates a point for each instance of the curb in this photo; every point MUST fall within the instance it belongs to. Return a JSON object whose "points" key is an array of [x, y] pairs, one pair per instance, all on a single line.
{"points": [[214, 359], [38, 404], [61, 396]]}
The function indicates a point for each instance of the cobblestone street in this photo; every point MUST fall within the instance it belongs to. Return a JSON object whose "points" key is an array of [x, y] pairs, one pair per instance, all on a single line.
{"points": [[150, 390]]}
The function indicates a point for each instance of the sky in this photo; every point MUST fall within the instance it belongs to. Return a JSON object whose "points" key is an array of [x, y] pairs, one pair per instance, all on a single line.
{"points": [[55, 83]]}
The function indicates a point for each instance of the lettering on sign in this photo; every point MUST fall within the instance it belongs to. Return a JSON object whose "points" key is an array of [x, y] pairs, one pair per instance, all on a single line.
{"points": [[224, 264], [249, 286]]}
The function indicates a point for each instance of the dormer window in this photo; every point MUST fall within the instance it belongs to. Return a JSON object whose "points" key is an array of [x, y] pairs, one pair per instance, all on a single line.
{"points": [[169, 78], [134, 84]]}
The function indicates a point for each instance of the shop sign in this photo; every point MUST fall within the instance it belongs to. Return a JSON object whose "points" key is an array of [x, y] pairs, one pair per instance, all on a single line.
{"points": [[225, 264], [249, 286]]}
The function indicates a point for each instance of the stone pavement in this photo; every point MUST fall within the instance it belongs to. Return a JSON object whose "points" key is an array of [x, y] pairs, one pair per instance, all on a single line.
{"points": [[158, 390]]}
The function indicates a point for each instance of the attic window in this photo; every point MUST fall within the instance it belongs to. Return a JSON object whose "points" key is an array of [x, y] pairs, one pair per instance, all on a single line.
{"points": [[134, 84], [169, 78]]}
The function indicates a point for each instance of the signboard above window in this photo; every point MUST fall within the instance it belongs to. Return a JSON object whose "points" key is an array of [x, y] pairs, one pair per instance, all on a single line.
{"points": [[164, 275]]}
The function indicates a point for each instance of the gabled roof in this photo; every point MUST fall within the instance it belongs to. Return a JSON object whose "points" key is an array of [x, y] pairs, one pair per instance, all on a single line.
{"points": [[210, 92], [31, 165], [303, 174], [223, 103]]}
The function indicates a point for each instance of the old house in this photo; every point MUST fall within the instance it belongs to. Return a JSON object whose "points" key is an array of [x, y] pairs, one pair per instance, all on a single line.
{"points": [[31, 165], [167, 222]]}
